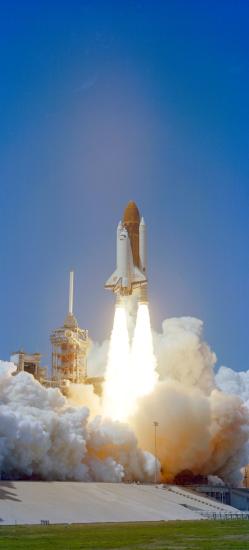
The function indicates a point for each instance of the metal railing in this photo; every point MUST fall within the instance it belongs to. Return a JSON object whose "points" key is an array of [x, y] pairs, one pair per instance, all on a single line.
{"points": [[224, 515]]}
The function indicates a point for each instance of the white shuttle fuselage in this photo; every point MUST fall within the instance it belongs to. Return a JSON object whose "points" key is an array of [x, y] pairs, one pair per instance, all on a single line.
{"points": [[130, 273]]}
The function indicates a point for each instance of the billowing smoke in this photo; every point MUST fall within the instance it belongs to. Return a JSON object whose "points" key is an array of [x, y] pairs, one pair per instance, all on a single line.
{"points": [[183, 356], [203, 423], [201, 429], [43, 436], [203, 420], [97, 358], [236, 383]]}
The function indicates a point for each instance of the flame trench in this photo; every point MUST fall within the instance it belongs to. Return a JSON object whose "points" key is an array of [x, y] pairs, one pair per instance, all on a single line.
{"points": [[131, 370]]}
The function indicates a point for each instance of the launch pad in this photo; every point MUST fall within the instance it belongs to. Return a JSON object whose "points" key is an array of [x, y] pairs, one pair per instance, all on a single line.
{"points": [[34, 502]]}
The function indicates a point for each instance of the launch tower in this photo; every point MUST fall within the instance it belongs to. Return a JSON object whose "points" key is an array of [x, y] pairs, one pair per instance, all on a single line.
{"points": [[69, 348]]}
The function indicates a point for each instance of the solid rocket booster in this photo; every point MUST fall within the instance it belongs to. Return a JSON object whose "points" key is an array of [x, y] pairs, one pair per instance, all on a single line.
{"points": [[130, 273]]}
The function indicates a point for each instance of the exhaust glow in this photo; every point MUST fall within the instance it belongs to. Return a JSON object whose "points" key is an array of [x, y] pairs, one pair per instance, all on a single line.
{"points": [[117, 395], [131, 373], [143, 361]]}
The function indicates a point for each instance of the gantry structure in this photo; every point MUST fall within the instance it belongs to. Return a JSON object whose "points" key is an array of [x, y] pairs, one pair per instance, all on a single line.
{"points": [[69, 348]]}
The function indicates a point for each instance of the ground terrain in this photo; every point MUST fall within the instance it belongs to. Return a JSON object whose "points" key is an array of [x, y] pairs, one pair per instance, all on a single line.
{"points": [[172, 535]]}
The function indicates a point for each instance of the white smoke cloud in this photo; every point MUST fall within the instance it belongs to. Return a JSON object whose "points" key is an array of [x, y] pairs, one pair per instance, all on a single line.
{"points": [[201, 429], [182, 355], [236, 383], [43, 436], [203, 421], [97, 358]]}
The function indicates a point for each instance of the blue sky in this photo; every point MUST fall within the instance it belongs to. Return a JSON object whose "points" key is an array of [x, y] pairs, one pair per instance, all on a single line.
{"points": [[102, 102]]}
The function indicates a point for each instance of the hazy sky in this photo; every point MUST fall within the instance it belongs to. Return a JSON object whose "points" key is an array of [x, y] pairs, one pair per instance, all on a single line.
{"points": [[102, 102]]}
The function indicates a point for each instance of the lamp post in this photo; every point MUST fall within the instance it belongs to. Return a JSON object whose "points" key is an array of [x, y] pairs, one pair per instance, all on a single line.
{"points": [[156, 424], [245, 477]]}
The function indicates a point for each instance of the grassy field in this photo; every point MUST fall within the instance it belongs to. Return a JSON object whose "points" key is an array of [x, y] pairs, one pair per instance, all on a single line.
{"points": [[172, 535]]}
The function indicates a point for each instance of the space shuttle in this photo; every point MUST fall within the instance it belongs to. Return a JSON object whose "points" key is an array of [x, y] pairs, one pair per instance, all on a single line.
{"points": [[130, 274]]}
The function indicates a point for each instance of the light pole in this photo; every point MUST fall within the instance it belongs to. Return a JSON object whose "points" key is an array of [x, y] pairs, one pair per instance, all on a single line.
{"points": [[156, 424], [245, 477]]}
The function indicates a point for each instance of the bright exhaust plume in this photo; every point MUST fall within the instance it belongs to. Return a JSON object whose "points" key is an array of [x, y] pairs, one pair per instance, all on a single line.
{"points": [[143, 361], [131, 371], [117, 396]]}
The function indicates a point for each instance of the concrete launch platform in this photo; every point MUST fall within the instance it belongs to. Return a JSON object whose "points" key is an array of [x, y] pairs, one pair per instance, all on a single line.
{"points": [[32, 502]]}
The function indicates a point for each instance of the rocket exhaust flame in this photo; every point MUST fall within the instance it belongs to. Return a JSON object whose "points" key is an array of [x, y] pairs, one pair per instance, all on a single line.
{"points": [[143, 361], [130, 372], [117, 395]]}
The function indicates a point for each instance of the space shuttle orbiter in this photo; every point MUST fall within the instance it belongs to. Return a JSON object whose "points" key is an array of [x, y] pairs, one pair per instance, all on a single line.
{"points": [[130, 274]]}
